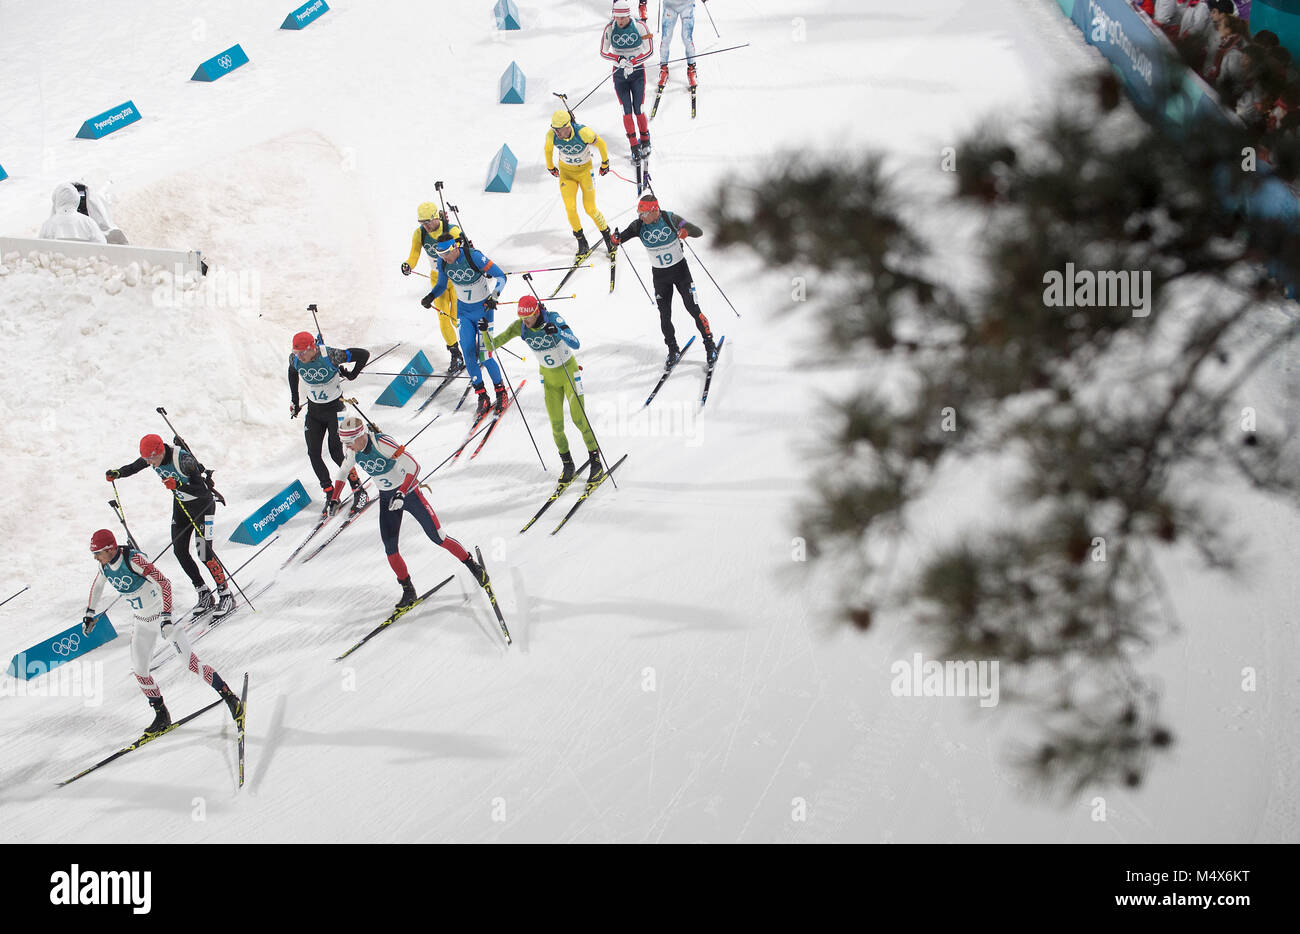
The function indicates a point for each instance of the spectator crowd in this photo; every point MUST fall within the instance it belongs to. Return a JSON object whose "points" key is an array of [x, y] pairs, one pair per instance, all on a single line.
{"points": [[1252, 74]]}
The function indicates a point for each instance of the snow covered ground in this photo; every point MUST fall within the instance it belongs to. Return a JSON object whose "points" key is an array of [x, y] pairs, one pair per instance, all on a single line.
{"points": [[676, 676]]}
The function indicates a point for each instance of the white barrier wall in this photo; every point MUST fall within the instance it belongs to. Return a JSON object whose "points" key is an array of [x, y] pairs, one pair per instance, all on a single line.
{"points": [[118, 255]]}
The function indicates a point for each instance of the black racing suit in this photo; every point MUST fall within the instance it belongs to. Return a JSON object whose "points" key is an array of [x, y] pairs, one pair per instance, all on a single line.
{"points": [[677, 276], [191, 500], [322, 418]]}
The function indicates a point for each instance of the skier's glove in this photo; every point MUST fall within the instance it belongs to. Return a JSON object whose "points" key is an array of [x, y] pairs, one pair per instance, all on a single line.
{"points": [[613, 237], [604, 167], [555, 172], [396, 503], [551, 328], [111, 475], [681, 233], [490, 303], [294, 409], [171, 483], [427, 301], [87, 623], [165, 623], [348, 374], [406, 269], [626, 65]]}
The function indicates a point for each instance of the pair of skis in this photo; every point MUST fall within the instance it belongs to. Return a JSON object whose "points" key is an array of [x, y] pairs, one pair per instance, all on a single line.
{"points": [[659, 92], [398, 613], [451, 374], [240, 724], [353, 512], [164, 653], [708, 371], [479, 420], [578, 262], [564, 485]]}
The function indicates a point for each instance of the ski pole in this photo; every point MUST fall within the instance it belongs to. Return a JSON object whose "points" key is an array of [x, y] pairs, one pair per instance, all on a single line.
{"points": [[486, 336], [121, 517], [199, 532], [710, 275], [258, 552], [671, 61], [515, 396], [482, 428], [585, 96], [554, 298], [642, 281], [730, 48], [421, 431], [7, 599], [711, 22], [421, 375], [600, 452], [385, 353], [516, 272]]}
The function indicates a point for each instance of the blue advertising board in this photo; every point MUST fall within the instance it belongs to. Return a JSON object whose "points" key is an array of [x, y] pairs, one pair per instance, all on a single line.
{"points": [[501, 173], [275, 512], [110, 121], [305, 15], [60, 649], [404, 386], [218, 66], [510, 89], [507, 14]]}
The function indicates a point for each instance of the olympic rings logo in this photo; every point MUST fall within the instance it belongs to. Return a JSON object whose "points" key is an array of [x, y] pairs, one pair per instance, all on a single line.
{"points": [[119, 581], [316, 375], [225, 61], [657, 235], [373, 465], [462, 276], [621, 41], [67, 645]]}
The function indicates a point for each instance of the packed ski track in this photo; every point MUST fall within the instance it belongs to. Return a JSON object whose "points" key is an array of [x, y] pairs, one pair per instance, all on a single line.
{"points": [[674, 675]]}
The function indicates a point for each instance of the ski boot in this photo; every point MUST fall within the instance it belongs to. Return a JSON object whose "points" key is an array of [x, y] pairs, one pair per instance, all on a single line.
{"points": [[483, 403], [690, 75], [583, 247], [644, 147], [225, 603], [161, 718], [596, 469], [609, 243], [501, 397], [205, 602], [566, 463], [233, 703], [409, 595], [673, 354], [480, 575], [663, 75], [457, 361], [632, 144], [710, 349]]}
